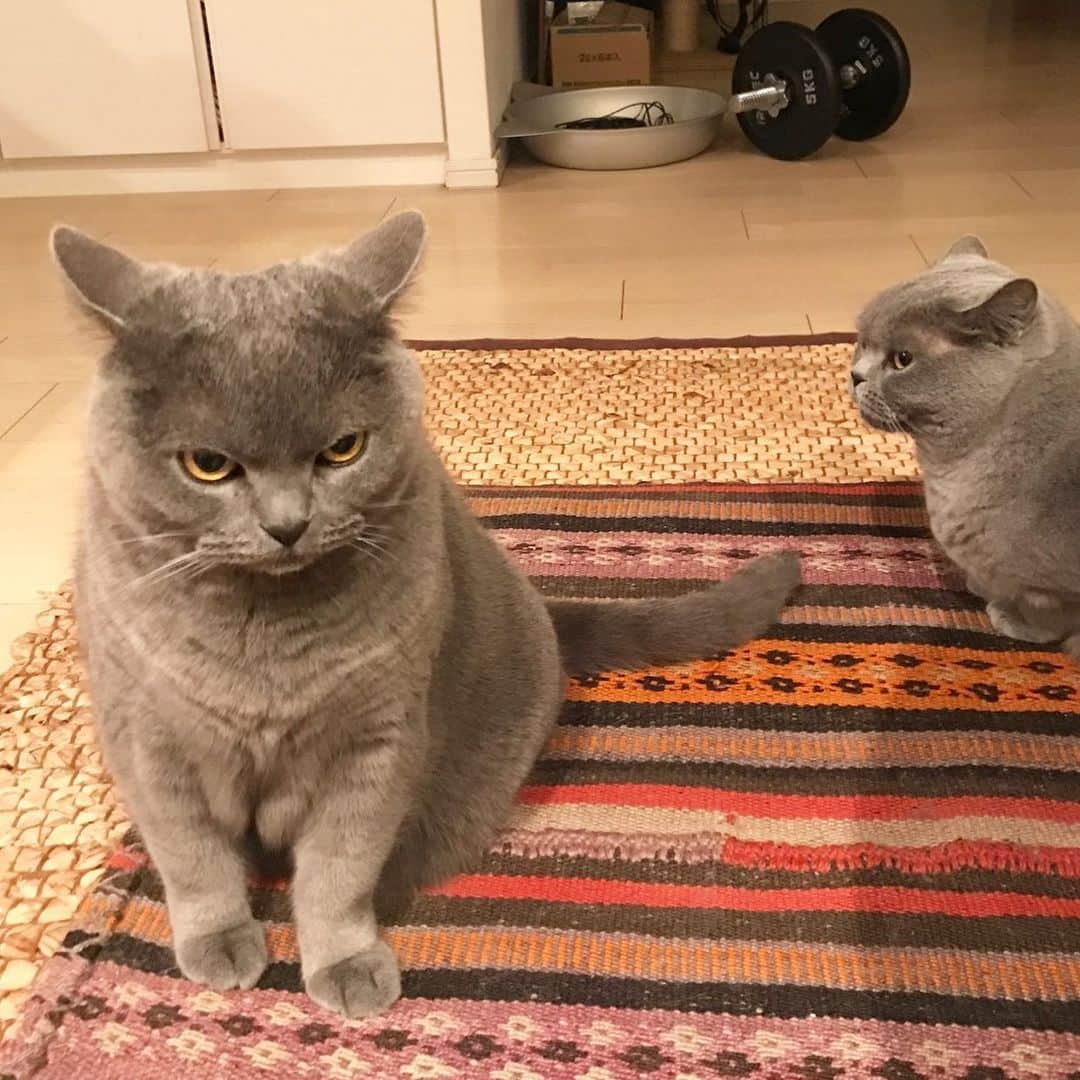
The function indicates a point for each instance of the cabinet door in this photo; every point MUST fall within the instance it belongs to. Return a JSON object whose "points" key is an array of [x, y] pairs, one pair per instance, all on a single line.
{"points": [[98, 77], [326, 72]]}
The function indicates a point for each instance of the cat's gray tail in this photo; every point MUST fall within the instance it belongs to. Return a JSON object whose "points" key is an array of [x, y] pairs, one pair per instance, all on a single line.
{"points": [[631, 634]]}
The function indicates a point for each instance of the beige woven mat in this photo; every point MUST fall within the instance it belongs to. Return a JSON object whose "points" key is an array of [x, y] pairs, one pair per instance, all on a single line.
{"points": [[522, 416], [664, 414]]}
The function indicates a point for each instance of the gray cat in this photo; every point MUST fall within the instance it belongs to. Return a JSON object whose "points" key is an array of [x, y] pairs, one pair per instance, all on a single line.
{"points": [[983, 372], [298, 637]]}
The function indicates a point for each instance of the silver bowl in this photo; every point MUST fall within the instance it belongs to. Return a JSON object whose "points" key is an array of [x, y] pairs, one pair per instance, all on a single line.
{"points": [[697, 114]]}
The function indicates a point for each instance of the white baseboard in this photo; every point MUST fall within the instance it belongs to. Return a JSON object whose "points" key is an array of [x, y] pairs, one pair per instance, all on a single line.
{"points": [[228, 170], [477, 172]]}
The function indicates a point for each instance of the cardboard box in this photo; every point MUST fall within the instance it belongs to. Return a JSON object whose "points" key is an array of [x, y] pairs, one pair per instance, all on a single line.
{"points": [[613, 49]]}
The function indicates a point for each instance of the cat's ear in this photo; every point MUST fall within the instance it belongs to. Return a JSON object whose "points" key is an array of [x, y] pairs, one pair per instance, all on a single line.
{"points": [[384, 260], [966, 245], [1006, 315], [106, 282]]}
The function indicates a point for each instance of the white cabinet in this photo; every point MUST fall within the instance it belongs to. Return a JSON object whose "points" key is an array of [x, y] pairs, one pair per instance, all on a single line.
{"points": [[326, 73], [97, 77], [164, 95]]}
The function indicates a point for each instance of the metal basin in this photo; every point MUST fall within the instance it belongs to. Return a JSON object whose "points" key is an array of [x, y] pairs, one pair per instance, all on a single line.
{"points": [[697, 114]]}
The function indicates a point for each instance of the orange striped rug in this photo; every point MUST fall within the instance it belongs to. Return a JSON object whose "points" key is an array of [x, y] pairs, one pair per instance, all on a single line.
{"points": [[851, 850]]}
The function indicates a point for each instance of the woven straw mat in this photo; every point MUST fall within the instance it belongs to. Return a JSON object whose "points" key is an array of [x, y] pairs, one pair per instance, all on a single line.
{"points": [[574, 413]]}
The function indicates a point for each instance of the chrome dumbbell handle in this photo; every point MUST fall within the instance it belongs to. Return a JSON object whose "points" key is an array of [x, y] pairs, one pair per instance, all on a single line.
{"points": [[770, 99]]}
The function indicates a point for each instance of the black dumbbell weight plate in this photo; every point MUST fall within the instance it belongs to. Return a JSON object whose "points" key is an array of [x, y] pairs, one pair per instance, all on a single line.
{"points": [[792, 53], [870, 43]]}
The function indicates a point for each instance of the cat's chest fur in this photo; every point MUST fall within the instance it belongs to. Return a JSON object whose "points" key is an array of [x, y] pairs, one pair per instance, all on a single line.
{"points": [[257, 661], [257, 695], [986, 514], [965, 508], [289, 662]]}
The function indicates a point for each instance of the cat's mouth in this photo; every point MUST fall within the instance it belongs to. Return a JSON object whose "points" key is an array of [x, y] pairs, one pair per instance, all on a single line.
{"points": [[288, 562], [274, 564], [876, 421], [365, 543], [875, 413]]}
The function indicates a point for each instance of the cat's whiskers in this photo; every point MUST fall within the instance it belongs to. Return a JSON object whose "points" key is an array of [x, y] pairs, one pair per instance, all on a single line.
{"points": [[105, 556], [176, 567], [200, 569], [372, 550], [379, 542], [896, 423], [373, 532], [391, 505], [886, 414], [889, 419], [376, 531], [149, 538]]}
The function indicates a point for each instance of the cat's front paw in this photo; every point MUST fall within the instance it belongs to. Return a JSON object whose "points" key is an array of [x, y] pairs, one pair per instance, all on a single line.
{"points": [[227, 959], [363, 984], [1011, 625]]}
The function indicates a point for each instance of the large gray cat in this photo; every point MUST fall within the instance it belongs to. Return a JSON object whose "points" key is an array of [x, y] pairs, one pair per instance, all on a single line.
{"points": [[983, 372], [299, 639]]}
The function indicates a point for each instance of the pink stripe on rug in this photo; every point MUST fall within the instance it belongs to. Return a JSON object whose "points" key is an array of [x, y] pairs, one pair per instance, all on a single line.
{"points": [[827, 560], [123, 1023]]}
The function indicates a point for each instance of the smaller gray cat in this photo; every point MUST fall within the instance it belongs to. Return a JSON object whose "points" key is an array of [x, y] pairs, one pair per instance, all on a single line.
{"points": [[983, 372]]}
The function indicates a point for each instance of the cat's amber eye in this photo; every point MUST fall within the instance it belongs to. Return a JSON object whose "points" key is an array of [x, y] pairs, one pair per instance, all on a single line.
{"points": [[900, 360], [208, 466], [344, 451]]}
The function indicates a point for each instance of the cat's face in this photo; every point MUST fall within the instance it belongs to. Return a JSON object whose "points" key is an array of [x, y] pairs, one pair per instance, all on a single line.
{"points": [[931, 347], [262, 419]]}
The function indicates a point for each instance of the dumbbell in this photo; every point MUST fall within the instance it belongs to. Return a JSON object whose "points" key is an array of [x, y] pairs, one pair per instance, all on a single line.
{"points": [[793, 87]]}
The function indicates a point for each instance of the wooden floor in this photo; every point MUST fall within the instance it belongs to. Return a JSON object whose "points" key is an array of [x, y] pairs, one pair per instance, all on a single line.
{"points": [[729, 243]]}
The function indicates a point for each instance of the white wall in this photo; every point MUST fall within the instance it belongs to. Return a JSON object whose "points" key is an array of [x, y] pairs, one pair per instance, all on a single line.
{"points": [[504, 51]]}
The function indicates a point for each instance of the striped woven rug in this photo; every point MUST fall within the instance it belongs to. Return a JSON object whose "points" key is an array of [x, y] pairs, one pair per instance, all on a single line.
{"points": [[849, 850]]}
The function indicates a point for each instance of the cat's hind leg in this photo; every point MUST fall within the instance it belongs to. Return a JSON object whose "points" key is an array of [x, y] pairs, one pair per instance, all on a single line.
{"points": [[410, 867], [469, 796], [1009, 623]]}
